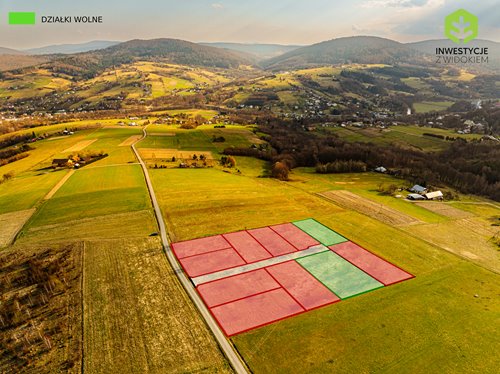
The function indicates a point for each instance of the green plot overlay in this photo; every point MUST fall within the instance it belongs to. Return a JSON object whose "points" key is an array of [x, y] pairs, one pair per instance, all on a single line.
{"points": [[340, 276], [320, 232]]}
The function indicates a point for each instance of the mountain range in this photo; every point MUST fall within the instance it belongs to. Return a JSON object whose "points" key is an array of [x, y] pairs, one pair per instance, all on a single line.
{"points": [[70, 48], [98, 55]]}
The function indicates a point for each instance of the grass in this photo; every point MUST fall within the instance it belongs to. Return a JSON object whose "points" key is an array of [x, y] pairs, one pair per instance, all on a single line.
{"points": [[109, 140], [215, 202], [401, 135], [24, 192], [138, 318], [431, 106], [425, 325], [396, 329], [95, 192]]}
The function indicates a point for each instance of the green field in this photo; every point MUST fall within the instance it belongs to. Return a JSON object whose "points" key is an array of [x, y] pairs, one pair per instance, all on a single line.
{"points": [[374, 325], [401, 135], [339, 275], [430, 106], [199, 139], [109, 140], [95, 192], [27, 190], [319, 232]]}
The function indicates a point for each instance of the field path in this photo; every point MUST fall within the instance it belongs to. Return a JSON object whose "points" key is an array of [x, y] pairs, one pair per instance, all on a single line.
{"points": [[80, 146], [56, 188], [227, 348]]}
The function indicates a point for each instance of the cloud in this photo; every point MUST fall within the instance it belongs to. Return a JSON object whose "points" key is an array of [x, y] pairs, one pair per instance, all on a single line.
{"points": [[358, 29], [394, 3], [217, 6]]}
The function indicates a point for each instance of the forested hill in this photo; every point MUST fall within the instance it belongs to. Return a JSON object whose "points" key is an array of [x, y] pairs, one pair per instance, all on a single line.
{"points": [[358, 49]]}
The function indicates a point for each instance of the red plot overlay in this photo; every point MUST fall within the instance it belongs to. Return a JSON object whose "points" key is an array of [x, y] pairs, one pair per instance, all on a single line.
{"points": [[271, 278], [255, 311], [377, 268], [295, 236], [247, 246], [249, 300], [274, 243], [200, 246], [236, 287], [207, 263], [301, 285]]}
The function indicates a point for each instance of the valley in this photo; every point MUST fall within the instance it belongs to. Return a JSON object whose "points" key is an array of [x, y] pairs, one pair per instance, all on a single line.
{"points": [[100, 149]]}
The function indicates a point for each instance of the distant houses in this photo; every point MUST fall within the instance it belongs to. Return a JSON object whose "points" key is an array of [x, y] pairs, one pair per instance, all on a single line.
{"points": [[415, 196], [418, 189], [59, 162], [436, 195]]}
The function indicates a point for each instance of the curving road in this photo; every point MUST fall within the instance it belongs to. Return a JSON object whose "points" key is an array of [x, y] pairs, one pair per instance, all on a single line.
{"points": [[226, 347]]}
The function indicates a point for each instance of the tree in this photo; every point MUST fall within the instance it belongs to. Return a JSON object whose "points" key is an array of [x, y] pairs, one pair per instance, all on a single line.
{"points": [[231, 161], [280, 171]]}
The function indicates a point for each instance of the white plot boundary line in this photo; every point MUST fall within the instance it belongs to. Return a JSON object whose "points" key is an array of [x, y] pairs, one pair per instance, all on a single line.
{"points": [[258, 265]]}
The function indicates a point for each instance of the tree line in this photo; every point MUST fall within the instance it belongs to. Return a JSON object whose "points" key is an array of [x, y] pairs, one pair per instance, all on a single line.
{"points": [[470, 167]]}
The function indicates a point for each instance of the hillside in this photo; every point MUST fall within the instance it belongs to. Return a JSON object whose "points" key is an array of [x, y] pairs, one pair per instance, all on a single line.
{"points": [[18, 61], [168, 50], [9, 51], [71, 48], [261, 51], [358, 49]]}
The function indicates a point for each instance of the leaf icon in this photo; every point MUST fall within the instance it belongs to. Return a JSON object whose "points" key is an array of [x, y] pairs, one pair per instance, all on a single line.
{"points": [[461, 26]]}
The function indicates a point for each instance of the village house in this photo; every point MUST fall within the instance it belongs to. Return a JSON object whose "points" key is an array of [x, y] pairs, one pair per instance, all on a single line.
{"points": [[418, 189], [436, 195]]}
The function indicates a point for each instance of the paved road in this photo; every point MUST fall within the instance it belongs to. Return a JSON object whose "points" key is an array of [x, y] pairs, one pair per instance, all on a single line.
{"points": [[259, 265], [227, 348]]}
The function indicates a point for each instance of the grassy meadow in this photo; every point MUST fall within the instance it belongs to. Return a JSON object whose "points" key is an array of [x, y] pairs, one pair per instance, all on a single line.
{"points": [[435, 315], [137, 318]]}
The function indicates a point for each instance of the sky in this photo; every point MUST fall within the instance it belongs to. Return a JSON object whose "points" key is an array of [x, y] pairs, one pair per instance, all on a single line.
{"points": [[245, 21]]}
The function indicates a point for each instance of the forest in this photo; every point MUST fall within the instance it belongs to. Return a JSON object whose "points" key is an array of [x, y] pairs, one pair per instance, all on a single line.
{"points": [[471, 167]]}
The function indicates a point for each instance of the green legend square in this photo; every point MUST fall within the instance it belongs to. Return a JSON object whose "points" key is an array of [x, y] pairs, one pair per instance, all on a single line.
{"points": [[22, 18]]}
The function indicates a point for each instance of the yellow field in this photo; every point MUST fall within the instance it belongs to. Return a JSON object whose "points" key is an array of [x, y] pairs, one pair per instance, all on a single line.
{"points": [[160, 153], [128, 142], [467, 238]]}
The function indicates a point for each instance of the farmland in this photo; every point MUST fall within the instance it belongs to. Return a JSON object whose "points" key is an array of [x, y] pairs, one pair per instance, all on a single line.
{"points": [[436, 305], [105, 205], [163, 333], [265, 179], [105, 210], [405, 136]]}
